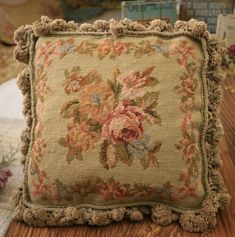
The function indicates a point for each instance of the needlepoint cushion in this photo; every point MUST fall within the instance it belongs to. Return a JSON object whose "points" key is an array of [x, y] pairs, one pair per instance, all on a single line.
{"points": [[121, 121]]}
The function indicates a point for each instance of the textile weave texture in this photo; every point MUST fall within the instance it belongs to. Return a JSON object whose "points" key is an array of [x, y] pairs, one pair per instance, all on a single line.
{"points": [[122, 121]]}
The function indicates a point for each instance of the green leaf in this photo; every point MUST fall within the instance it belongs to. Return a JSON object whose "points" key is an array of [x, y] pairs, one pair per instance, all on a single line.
{"points": [[156, 146], [177, 88], [192, 137], [144, 162], [66, 73], [92, 76], [149, 100], [75, 69], [115, 87], [71, 109], [115, 72], [167, 185], [103, 153], [62, 142], [152, 81], [154, 114], [152, 159], [184, 98], [191, 68], [148, 71], [94, 125], [123, 154], [74, 153]]}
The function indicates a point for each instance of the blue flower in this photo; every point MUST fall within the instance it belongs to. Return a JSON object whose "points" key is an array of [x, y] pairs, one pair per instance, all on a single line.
{"points": [[140, 148]]}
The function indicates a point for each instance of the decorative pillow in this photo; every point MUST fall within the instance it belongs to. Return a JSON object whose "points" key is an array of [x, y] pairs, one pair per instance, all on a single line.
{"points": [[122, 122]]}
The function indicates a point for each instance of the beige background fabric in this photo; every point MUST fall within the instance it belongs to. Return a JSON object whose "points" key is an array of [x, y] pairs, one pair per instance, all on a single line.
{"points": [[170, 161]]}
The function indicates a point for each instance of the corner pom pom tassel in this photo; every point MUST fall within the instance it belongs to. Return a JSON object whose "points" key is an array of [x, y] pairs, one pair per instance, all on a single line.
{"points": [[162, 215]]}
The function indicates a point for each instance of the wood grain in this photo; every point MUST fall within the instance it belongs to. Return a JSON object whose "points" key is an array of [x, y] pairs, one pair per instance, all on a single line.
{"points": [[225, 219]]}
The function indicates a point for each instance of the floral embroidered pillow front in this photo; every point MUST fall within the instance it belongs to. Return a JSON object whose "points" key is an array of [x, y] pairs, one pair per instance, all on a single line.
{"points": [[116, 124]]}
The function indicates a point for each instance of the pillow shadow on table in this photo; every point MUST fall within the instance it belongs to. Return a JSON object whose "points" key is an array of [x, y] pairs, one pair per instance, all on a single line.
{"points": [[122, 121]]}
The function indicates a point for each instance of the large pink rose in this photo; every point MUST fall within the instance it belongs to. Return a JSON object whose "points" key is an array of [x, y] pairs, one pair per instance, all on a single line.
{"points": [[188, 87], [124, 124]]}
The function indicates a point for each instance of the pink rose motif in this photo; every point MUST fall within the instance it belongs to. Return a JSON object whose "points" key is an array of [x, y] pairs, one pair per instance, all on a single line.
{"points": [[231, 49], [183, 50], [112, 190], [38, 146], [124, 124], [187, 105], [41, 188], [119, 47], [46, 51], [187, 123], [131, 81], [115, 47], [105, 47], [189, 149], [42, 88], [80, 136], [38, 128], [188, 87], [73, 84]]}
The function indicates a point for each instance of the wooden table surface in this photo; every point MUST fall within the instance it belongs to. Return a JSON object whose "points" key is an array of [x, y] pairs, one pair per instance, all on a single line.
{"points": [[225, 219]]}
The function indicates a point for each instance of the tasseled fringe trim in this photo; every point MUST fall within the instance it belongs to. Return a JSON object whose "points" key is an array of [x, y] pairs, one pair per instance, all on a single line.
{"points": [[161, 214], [23, 82]]}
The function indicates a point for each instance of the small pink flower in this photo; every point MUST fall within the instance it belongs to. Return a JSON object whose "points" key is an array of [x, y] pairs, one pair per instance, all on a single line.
{"points": [[73, 84], [42, 88], [131, 81], [46, 51], [183, 51], [41, 188], [111, 190], [124, 124], [188, 87], [37, 148], [189, 149], [105, 47], [119, 47], [38, 128], [113, 47], [187, 123]]}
